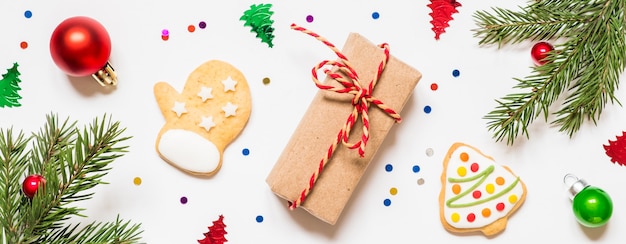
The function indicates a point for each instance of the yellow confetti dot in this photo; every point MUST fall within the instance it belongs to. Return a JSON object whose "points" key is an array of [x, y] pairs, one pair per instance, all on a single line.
{"points": [[455, 217], [513, 198], [393, 191], [486, 212], [462, 171], [137, 181], [490, 188], [464, 157], [456, 189], [500, 180]]}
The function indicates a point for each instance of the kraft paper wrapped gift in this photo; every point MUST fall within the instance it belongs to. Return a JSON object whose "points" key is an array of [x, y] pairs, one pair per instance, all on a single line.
{"points": [[319, 127]]}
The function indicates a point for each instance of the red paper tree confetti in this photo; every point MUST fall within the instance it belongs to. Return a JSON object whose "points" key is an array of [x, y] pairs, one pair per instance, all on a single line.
{"points": [[616, 150], [442, 11], [216, 233]]}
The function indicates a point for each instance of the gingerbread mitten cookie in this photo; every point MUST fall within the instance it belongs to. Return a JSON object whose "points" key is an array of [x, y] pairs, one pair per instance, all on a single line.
{"points": [[477, 194], [211, 111]]}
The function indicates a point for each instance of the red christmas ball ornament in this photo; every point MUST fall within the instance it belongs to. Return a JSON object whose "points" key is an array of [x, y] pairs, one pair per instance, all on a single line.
{"points": [[540, 51], [31, 184], [81, 46]]}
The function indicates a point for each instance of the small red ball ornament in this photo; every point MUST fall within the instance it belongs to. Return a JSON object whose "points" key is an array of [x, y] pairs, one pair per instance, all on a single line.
{"points": [[81, 46], [540, 51], [31, 184]]}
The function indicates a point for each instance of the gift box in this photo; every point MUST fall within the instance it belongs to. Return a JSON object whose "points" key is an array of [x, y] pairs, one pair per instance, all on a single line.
{"points": [[301, 174]]}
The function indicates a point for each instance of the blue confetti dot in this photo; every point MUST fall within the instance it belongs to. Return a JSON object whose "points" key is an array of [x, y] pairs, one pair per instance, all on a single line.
{"points": [[259, 219], [387, 202], [28, 14], [456, 73], [388, 167], [427, 109], [375, 15], [416, 168], [245, 152]]}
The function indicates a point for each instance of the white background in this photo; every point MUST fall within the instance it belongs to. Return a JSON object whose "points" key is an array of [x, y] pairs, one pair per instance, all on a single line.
{"points": [[239, 191]]}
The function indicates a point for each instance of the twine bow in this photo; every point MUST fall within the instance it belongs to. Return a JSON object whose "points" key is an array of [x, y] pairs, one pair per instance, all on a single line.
{"points": [[350, 84]]}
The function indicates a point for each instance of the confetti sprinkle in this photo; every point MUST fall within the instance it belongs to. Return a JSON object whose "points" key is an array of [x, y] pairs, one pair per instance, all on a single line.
{"points": [[427, 109], [202, 24], [416, 168], [24, 45], [259, 218], [309, 18], [388, 167], [165, 32], [420, 181], [393, 191], [434, 86], [245, 152], [191, 28], [375, 15], [387, 202], [429, 152], [183, 200], [137, 181], [456, 73], [266, 81], [28, 14]]}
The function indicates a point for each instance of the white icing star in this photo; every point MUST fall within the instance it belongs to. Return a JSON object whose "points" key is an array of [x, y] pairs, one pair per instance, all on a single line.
{"points": [[229, 109], [205, 93], [207, 123], [229, 84], [179, 108]]}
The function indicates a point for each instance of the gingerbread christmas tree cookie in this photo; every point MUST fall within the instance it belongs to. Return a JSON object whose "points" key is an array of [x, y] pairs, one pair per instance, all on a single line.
{"points": [[477, 194], [211, 111]]}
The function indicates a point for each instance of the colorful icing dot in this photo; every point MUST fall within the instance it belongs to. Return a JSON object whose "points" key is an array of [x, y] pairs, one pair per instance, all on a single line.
{"points": [[375, 15], [464, 157], [388, 167], [28, 14], [266, 81], [427, 109], [416, 169], [387, 202], [434, 86], [245, 152], [477, 194], [165, 32], [456, 189], [23, 45], [202, 24], [500, 206], [456, 73], [461, 171], [183, 200], [420, 181], [486, 212], [474, 167], [455, 217], [137, 181], [191, 28], [309, 18], [259, 218], [490, 188], [471, 217], [393, 191], [500, 180], [513, 198], [429, 152]]}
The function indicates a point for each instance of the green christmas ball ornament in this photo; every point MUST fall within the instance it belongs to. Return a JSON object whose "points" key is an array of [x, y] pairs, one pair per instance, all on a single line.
{"points": [[592, 206]]}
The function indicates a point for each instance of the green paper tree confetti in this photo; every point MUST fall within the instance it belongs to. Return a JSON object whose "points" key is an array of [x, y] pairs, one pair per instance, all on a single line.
{"points": [[9, 87], [258, 17], [72, 161], [585, 68]]}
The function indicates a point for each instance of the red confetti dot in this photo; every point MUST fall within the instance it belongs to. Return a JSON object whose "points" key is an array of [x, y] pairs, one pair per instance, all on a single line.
{"points": [[191, 28], [165, 38], [500, 206], [434, 86], [24, 45], [476, 194], [471, 217], [474, 167]]}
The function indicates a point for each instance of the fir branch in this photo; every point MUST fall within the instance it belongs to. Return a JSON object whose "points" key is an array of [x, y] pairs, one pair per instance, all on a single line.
{"points": [[587, 65], [118, 232], [13, 159]]}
